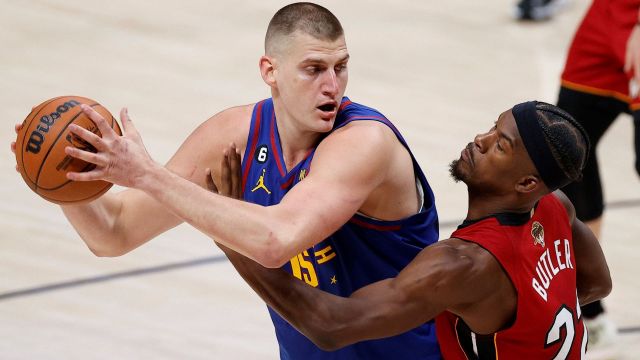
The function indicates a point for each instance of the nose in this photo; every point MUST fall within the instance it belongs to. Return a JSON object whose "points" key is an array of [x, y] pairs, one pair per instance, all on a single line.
{"points": [[483, 141], [330, 85]]}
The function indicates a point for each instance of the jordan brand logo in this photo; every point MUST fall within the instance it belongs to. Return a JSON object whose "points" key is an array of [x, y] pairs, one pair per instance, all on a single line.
{"points": [[260, 184]]}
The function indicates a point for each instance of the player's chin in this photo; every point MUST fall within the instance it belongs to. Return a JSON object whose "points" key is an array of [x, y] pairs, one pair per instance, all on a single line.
{"points": [[459, 170], [324, 124]]}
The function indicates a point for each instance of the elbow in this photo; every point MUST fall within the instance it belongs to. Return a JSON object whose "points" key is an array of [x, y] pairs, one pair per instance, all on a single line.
{"points": [[331, 328], [603, 289], [607, 286], [273, 253], [327, 338], [330, 341], [102, 252], [595, 291], [109, 248], [327, 343]]}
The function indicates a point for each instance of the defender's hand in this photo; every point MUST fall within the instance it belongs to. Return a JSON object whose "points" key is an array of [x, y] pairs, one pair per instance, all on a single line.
{"points": [[230, 180], [17, 128], [122, 160], [632, 56], [230, 175]]}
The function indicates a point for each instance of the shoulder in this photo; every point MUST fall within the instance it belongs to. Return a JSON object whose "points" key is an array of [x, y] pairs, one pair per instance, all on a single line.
{"points": [[456, 258], [351, 109], [203, 146], [453, 266], [564, 200], [364, 146], [474, 254], [472, 262], [233, 123], [377, 130], [365, 135]]}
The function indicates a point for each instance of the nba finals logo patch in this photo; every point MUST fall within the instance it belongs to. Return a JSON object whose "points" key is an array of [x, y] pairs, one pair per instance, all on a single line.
{"points": [[537, 232]]}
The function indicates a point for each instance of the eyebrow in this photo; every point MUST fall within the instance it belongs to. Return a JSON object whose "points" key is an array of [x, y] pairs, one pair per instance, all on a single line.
{"points": [[312, 60]]}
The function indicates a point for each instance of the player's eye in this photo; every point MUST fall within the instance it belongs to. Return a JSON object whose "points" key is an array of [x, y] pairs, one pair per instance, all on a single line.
{"points": [[313, 69]]}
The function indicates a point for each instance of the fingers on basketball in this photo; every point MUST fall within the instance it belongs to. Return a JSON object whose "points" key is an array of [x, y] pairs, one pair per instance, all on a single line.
{"points": [[41, 155]]}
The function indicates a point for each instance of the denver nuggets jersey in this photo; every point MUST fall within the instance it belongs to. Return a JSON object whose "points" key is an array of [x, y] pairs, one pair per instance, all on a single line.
{"points": [[537, 254], [361, 252]]}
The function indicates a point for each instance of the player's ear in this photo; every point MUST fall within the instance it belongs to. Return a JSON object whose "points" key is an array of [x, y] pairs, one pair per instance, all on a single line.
{"points": [[528, 184], [267, 70]]}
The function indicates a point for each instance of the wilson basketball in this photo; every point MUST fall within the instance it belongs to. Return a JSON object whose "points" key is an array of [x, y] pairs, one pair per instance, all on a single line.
{"points": [[40, 146]]}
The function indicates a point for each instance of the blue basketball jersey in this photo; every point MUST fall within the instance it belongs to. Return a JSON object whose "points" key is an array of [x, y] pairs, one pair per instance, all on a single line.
{"points": [[362, 251]]}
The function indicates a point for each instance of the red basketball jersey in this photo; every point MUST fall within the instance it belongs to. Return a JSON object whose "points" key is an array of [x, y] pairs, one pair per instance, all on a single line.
{"points": [[536, 252], [595, 62]]}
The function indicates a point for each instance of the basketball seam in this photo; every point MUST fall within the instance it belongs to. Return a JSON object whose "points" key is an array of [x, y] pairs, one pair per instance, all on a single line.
{"points": [[53, 144], [25, 135], [68, 181], [107, 186]]}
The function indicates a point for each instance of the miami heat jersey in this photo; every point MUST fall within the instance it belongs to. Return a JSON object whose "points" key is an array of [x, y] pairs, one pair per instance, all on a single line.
{"points": [[362, 251], [595, 62], [536, 252]]}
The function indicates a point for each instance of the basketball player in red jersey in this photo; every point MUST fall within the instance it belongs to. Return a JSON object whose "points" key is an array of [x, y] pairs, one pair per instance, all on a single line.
{"points": [[507, 284], [599, 82]]}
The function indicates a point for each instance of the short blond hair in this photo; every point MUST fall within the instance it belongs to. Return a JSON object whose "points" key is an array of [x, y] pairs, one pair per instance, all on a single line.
{"points": [[305, 17]]}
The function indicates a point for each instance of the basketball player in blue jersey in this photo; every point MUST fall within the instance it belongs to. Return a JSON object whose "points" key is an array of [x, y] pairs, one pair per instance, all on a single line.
{"points": [[333, 194]]}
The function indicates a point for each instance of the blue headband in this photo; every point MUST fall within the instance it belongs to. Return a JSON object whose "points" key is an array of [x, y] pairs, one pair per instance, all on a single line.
{"points": [[535, 142]]}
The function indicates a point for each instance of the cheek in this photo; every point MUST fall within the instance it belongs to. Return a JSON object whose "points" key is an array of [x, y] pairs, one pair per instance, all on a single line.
{"points": [[491, 169], [345, 77]]}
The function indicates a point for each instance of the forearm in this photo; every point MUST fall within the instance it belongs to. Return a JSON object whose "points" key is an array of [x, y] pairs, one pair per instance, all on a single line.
{"points": [[253, 230], [115, 224], [320, 316], [382, 309], [95, 223]]}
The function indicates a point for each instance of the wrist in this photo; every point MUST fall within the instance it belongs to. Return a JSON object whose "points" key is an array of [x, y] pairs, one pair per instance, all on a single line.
{"points": [[150, 177]]}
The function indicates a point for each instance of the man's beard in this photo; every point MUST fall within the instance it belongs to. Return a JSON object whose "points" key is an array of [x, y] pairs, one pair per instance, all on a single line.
{"points": [[454, 171]]}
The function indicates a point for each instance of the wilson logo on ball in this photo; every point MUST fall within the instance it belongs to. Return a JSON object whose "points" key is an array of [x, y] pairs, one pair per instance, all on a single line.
{"points": [[46, 121]]}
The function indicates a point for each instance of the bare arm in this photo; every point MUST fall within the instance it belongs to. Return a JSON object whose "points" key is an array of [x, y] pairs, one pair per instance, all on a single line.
{"points": [[345, 172], [452, 274], [110, 225], [441, 277], [593, 279]]}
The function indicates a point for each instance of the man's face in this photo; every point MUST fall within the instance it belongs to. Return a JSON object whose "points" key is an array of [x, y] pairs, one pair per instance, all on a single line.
{"points": [[311, 77], [495, 161]]}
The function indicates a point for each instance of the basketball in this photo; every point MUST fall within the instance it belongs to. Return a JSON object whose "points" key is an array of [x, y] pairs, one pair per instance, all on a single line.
{"points": [[40, 146]]}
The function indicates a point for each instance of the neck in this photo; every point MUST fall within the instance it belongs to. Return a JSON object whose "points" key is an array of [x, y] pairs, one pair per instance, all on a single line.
{"points": [[483, 205], [295, 141]]}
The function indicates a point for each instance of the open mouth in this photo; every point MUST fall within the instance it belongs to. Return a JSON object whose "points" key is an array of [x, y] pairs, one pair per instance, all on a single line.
{"points": [[328, 107]]}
